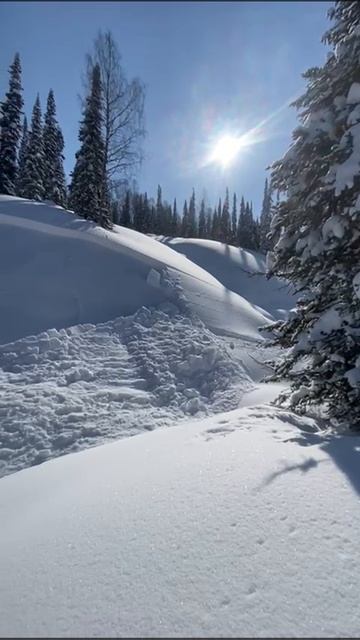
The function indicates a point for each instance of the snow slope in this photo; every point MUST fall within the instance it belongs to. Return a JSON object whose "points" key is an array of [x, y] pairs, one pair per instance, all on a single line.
{"points": [[57, 270], [240, 271], [107, 334], [243, 524]]}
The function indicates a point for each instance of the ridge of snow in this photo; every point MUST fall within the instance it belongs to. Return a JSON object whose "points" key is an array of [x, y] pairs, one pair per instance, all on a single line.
{"points": [[58, 270]]}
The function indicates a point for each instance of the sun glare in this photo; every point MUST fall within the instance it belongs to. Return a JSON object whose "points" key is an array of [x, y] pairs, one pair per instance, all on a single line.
{"points": [[225, 150]]}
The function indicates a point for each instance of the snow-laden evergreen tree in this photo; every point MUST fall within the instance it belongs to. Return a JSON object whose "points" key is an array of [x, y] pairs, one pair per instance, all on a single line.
{"points": [[146, 214], [233, 221], [241, 229], [22, 159], [88, 191], [158, 221], [265, 219], [10, 129], [175, 221], [248, 228], [225, 223], [214, 225], [319, 224], [202, 220], [216, 232], [185, 221], [54, 175], [192, 229], [208, 223], [33, 176]]}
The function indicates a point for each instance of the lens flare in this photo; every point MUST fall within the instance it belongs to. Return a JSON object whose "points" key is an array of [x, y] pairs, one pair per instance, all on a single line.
{"points": [[226, 150]]}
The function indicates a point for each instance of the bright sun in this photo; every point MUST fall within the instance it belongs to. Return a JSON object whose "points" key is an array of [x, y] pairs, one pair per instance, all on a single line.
{"points": [[226, 150]]}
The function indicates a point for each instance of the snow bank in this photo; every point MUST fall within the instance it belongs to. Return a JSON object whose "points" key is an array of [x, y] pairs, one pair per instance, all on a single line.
{"points": [[240, 271], [242, 524], [57, 270]]}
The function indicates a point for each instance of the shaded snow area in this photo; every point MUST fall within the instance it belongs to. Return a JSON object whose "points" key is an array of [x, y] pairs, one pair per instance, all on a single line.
{"points": [[58, 270], [242, 524], [65, 390], [241, 272]]}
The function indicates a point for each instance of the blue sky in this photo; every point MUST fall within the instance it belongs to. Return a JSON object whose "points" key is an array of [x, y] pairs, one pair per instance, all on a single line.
{"points": [[208, 67]]}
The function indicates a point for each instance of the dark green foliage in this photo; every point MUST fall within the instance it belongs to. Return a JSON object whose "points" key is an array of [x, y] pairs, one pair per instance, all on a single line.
{"points": [[89, 192], [265, 220], [10, 130], [202, 220], [53, 143], [317, 225], [33, 176], [234, 221], [225, 222], [22, 159]]}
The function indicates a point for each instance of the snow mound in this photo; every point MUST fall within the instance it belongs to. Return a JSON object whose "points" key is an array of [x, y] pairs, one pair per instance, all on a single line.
{"points": [[240, 524], [77, 387], [58, 270], [240, 271]]}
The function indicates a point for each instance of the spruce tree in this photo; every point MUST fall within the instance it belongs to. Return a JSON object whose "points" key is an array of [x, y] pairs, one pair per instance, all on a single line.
{"points": [[175, 221], [241, 230], [233, 221], [54, 175], [88, 186], [265, 219], [225, 222], [215, 225], [146, 214], [10, 130], [318, 223], [208, 223], [22, 159], [192, 231], [33, 176], [158, 222], [185, 221], [202, 220]]}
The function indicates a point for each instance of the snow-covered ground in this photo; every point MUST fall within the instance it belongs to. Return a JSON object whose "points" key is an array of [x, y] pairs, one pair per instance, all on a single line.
{"points": [[242, 524], [80, 370], [239, 520], [68, 389]]}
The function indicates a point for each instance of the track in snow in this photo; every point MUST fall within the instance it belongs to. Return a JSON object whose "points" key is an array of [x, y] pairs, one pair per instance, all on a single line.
{"points": [[66, 390]]}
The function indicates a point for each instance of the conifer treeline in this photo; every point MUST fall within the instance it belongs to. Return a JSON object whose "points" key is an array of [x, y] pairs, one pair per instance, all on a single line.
{"points": [[230, 224], [31, 160], [31, 166]]}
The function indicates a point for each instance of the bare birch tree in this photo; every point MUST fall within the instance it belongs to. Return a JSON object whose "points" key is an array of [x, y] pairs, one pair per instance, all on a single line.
{"points": [[123, 111]]}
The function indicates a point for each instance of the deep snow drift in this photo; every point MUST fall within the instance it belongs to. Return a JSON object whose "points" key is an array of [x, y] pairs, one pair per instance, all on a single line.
{"points": [[57, 270], [240, 271], [95, 372], [243, 524]]}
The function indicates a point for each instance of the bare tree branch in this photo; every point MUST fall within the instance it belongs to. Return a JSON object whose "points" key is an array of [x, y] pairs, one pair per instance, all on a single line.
{"points": [[123, 122]]}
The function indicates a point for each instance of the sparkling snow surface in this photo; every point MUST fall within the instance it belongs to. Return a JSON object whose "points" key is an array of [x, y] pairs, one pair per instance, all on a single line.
{"points": [[243, 524]]}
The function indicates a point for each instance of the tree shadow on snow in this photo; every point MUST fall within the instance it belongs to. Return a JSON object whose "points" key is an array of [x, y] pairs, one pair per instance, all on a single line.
{"points": [[342, 449]]}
